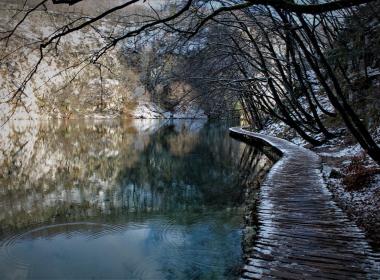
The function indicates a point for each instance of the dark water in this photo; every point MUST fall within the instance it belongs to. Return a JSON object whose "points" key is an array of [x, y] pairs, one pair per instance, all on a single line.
{"points": [[131, 200]]}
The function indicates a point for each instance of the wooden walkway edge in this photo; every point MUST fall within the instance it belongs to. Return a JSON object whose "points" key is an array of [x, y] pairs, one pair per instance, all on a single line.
{"points": [[302, 233]]}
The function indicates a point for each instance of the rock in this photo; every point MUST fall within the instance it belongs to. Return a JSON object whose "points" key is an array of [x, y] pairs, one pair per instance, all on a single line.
{"points": [[308, 146], [335, 174], [249, 236]]}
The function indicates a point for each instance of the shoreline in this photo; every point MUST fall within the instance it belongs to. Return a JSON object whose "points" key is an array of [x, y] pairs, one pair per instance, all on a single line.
{"points": [[300, 225]]}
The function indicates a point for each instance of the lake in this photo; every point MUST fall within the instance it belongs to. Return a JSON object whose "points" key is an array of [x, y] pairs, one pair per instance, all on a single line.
{"points": [[138, 199]]}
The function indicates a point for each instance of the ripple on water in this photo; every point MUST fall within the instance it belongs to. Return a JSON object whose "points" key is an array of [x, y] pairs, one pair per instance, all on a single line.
{"points": [[160, 247], [191, 243], [6, 256], [11, 257]]}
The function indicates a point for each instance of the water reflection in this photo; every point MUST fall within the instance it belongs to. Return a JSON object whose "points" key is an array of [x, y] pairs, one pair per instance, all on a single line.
{"points": [[116, 199]]}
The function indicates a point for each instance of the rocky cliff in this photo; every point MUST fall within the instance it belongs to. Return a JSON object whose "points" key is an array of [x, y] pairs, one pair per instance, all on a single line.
{"points": [[67, 83]]}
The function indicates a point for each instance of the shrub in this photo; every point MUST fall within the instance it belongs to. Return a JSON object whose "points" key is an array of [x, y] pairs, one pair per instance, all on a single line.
{"points": [[357, 174]]}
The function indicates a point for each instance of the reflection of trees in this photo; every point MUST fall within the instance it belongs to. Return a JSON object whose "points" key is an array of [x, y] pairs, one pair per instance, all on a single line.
{"points": [[201, 174], [68, 171]]}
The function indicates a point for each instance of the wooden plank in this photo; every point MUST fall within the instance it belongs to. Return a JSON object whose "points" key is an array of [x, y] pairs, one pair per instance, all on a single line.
{"points": [[302, 234]]}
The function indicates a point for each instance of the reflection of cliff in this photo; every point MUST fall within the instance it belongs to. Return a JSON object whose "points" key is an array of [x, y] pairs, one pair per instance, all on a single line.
{"points": [[46, 166], [70, 170]]}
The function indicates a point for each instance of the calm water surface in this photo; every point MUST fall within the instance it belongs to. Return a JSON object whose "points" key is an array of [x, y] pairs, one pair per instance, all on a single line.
{"points": [[132, 200]]}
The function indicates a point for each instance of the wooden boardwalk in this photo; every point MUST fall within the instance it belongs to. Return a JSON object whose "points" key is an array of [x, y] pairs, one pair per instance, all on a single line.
{"points": [[302, 233]]}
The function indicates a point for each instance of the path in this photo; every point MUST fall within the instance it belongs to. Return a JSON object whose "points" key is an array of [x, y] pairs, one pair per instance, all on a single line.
{"points": [[302, 233]]}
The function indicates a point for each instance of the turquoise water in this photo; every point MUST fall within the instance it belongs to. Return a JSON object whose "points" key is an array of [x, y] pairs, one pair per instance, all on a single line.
{"points": [[117, 199]]}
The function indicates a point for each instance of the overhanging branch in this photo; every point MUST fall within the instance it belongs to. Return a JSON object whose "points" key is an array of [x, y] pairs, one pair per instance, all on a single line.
{"points": [[288, 5]]}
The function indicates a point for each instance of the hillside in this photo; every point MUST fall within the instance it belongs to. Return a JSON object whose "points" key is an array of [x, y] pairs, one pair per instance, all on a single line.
{"points": [[67, 84], [350, 174]]}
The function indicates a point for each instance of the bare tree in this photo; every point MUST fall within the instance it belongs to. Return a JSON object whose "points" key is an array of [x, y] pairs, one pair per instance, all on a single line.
{"points": [[274, 49]]}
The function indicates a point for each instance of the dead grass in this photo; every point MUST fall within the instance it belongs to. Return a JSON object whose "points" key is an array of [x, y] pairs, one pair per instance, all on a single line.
{"points": [[357, 174]]}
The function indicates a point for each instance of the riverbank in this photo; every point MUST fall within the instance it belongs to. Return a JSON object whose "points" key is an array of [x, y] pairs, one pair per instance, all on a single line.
{"points": [[351, 176], [354, 181], [299, 226]]}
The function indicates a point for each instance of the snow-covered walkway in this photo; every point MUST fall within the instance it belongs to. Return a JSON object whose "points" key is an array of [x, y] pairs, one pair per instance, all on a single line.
{"points": [[302, 233]]}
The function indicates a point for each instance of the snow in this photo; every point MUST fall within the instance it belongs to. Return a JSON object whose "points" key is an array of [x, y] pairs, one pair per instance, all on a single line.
{"points": [[50, 76], [274, 128], [149, 110], [361, 205], [373, 72], [345, 152]]}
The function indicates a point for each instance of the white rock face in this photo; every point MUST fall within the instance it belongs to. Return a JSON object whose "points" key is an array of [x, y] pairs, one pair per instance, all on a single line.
{"points": [[66, 85], [149, 110]]}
